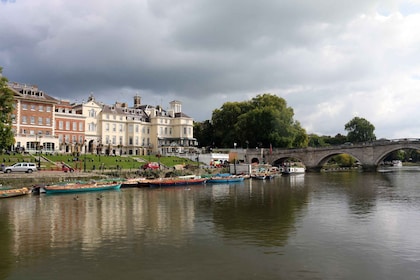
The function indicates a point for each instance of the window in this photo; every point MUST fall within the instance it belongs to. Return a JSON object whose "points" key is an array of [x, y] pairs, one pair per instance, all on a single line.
{"points": [[114, 127], [114, 140], [24, 121], [107, 126], [48, 109], [121, 140], [67, 125], [92, 113], [73, 139], [137, 128], [80, 126], [60, 125], [137, 140], [185, 130], [41, 108], [121, 127], [47, 121], [40, 120], [32, 107], [74, 126], [24, 107], [130, 140], [32, 120]]}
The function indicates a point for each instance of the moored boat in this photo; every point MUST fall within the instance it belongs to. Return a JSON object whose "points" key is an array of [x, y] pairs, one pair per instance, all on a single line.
{"points": [[176, 182], [12, 192], [87, 187], [288, 170], [227, 179]]}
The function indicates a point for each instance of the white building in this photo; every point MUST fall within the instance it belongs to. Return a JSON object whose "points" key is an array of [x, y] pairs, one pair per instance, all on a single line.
{"points": [[138, 130]]}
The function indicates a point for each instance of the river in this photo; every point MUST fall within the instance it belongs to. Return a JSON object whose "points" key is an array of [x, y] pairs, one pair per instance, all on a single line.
{"points": [[343, 225]]}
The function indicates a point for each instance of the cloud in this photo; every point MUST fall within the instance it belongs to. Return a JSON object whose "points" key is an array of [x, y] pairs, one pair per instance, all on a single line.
{"points": [[329, 59]]}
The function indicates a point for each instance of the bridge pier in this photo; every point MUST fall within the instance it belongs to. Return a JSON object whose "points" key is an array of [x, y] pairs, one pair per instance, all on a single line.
{"points": [[369, 168], [316, 169]]}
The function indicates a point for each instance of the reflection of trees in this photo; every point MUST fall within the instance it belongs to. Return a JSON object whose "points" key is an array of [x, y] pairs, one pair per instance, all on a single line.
{"points": [[360, 189], [265, 217]]}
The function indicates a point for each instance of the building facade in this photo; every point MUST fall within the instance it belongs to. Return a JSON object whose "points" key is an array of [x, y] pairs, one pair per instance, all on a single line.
{"points": [[33, 120], [42, 123]]}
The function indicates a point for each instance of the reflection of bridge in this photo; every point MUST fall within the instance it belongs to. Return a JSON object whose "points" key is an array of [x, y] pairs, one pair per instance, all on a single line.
{"points": [[369, 154]]}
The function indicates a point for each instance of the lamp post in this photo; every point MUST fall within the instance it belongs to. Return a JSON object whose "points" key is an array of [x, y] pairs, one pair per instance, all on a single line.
{"points": [[39, 149], [84, 159]]}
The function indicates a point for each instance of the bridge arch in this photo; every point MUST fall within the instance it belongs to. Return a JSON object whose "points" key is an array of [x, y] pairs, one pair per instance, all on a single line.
{"points": [[381, 156], [369, 154], [322, 161]]}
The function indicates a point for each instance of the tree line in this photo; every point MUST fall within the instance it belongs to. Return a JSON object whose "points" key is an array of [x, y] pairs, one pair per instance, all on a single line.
{"points": [[267, 121]]}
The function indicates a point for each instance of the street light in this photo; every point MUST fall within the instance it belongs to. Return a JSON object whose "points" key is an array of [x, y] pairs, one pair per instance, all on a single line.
{"points": [[84, 159], [38, 149]]}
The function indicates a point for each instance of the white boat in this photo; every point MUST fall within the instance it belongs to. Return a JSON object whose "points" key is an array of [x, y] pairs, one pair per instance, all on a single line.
{"points": [[397, 163], [287, 170]]}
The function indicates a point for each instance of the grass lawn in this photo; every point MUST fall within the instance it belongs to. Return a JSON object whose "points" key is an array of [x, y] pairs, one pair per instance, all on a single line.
{"points": [[94, 162]]}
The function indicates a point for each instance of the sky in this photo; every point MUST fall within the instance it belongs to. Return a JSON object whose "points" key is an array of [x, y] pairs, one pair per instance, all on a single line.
{"points": [[330, 60]]}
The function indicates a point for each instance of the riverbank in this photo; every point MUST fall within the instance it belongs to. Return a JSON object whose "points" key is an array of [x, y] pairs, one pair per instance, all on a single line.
{"points": [[45, 177]]}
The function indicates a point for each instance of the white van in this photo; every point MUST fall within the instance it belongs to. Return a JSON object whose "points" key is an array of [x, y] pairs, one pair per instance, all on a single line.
{"points": [[27, 167]]}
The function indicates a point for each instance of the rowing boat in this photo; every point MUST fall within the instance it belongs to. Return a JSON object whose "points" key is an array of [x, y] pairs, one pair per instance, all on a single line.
{"points": [[89, 187], [5, 193]]}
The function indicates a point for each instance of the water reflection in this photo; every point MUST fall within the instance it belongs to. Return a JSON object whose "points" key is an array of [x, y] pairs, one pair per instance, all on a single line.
{"points": [[338, 225], [260, 215]]}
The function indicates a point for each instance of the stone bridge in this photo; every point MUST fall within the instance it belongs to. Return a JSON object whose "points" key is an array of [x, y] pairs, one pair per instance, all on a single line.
{"points": [[369, 154]]}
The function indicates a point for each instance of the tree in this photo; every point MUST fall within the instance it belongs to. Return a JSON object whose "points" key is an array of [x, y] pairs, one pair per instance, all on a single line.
{"points": [[224, 120], [263, 121], [203, 132], [6, 111], [360, 130]]}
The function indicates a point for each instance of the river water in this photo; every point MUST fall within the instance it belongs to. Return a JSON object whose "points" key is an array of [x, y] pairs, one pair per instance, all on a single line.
{"points": [[345, 225]]}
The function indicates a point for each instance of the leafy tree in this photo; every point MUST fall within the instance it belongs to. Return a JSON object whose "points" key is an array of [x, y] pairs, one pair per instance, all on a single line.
{"points": [[360, 130], [344, 160], [224, 120], [203, 132], [263, 121], [316, 141], [6, 111]]}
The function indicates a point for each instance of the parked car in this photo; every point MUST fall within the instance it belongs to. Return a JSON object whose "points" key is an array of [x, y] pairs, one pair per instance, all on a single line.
{"points": [[27, 167]]}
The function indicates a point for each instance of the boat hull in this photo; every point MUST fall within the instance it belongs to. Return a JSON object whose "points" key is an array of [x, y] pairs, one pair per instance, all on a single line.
{"points": [[13, 192], [292, 170], [176, 182], [81, 188], [225, 180]]}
